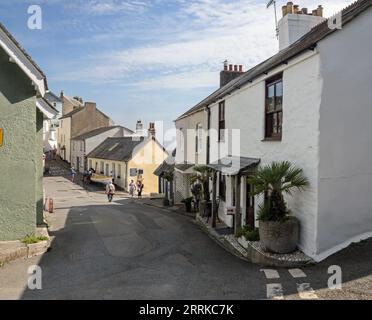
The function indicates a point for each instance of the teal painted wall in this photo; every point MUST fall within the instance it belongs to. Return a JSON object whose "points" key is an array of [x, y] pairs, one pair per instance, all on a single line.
{"points": [[21, 154]]}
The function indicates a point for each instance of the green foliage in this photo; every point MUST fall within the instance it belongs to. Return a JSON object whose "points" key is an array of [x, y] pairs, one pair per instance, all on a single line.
{"points": [[274, 180], [31, 239], [249, 233], [168, 176]]}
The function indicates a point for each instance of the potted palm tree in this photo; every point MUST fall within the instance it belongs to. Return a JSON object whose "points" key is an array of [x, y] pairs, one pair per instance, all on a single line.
{"points": [[279, 231], [202, 177]]}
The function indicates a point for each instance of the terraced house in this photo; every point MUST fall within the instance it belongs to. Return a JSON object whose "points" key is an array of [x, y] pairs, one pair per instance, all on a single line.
{"points": [[23, 108], [130, 158], [309, 104]]}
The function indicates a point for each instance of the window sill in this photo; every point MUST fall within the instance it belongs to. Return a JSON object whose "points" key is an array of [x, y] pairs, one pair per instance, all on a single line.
{"points": [[277, 139]]}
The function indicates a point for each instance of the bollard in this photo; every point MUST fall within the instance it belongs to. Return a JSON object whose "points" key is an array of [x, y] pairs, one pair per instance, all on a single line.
{"points": [[50, 205]]}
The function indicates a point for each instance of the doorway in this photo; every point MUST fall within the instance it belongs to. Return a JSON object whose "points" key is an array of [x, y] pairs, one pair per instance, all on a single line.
{"points": [[250, 216]]}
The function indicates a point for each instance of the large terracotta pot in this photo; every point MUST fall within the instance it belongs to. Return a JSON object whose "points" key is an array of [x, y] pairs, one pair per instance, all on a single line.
{"points": [[280, 237]]}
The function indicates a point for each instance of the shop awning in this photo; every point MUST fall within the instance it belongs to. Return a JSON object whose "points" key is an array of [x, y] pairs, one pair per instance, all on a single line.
{"points": [[233, 165]]}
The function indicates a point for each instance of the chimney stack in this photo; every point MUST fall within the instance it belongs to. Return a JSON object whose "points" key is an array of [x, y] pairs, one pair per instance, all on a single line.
{"points": [[90, 106], [229, 73], [152, 131], [296, 23], [139, 128]]}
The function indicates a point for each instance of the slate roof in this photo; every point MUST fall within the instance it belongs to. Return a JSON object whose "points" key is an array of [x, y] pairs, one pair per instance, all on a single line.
{"points": [[50, 96], [96, 132], [70, 114], [308, 41], [167, 165], [116, 149], [233, 164], [17, 44]]}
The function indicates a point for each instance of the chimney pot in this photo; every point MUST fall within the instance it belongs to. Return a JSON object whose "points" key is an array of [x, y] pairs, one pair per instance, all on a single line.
{"points": [[225, 65], [240, 68], [235, 68], [230, 67], [284, 10], [320, 11], [289, 7], [296, 9], [152, 131], [315, 12], [304, 10]]}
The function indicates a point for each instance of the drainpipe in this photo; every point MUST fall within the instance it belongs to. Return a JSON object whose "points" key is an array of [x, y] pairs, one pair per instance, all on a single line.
{"points": [[208, 136]]}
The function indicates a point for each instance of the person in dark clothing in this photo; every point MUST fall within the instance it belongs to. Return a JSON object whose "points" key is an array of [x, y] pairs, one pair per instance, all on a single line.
{"points": [[140, 187]]}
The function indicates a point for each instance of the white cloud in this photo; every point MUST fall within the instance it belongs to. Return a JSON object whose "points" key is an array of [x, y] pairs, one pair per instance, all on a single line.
{"points": [[205, 33]]}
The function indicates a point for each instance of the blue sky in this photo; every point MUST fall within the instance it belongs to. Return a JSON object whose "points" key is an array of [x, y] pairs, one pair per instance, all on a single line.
{"points": [[149, 60]]}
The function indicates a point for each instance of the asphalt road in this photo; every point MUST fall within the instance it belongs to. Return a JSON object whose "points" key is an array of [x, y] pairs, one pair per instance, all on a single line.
{"points": [[127, 250]]}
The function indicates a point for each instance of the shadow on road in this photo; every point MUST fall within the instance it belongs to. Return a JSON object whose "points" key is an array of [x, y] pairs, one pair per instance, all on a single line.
{"points": [[126, 250]]}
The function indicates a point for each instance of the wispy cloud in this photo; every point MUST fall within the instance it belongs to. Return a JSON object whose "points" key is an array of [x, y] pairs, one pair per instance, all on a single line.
{"points": [[194, 40]]}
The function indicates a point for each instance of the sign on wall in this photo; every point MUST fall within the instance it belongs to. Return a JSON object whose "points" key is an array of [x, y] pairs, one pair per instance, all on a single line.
{"points": [[133, 172], [230, 211]]}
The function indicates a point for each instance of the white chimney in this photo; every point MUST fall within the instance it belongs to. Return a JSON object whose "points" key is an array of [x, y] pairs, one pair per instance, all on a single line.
{"points": [[139, 128], [296, 23]]}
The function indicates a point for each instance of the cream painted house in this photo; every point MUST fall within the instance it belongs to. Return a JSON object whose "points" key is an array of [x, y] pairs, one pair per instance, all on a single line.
{"points": [[129, 158], [77, 122], [309, 104]]}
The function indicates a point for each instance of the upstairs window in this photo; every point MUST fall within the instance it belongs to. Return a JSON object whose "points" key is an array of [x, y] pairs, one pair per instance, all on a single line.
{"points": [[221, 121], [274, 108]]}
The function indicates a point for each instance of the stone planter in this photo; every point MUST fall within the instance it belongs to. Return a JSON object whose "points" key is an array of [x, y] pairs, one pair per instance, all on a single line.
{"points": [[280, 237]]}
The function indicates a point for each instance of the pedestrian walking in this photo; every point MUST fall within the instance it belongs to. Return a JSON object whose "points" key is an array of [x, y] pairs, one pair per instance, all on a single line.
{"points": [[73, 174], [132, 188], [110, 191], [140, 187]]}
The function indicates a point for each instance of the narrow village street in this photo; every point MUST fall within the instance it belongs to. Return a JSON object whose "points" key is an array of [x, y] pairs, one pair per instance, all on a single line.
{"points": [[128, 250]]}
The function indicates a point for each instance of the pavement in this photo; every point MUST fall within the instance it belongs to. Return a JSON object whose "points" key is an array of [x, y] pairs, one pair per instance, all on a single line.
{"points": [[129, 250]]}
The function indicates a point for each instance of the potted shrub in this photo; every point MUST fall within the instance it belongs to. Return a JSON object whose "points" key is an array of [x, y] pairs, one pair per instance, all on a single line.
{"points": [[188, 204], [279, 231]]}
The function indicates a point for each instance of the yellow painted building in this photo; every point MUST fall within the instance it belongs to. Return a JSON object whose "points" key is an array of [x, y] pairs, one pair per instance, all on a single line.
{"points": [[129, 158]]}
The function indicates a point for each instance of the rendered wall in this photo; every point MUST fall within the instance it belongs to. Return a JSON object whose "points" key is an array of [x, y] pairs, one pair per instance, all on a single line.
{"points": [[345, 187], [245, 111], [20, 155]]}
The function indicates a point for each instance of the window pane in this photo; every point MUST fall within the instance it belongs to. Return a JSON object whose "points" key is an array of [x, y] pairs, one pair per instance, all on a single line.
{"points": [[275, 123], [271, 91], [279, 89], [280, 121], [278, 103]]}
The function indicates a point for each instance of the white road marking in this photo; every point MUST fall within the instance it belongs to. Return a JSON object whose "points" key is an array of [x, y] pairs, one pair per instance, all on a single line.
{"points": [[297, 273], [270, 273], [306, 292], [274, 291]]}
